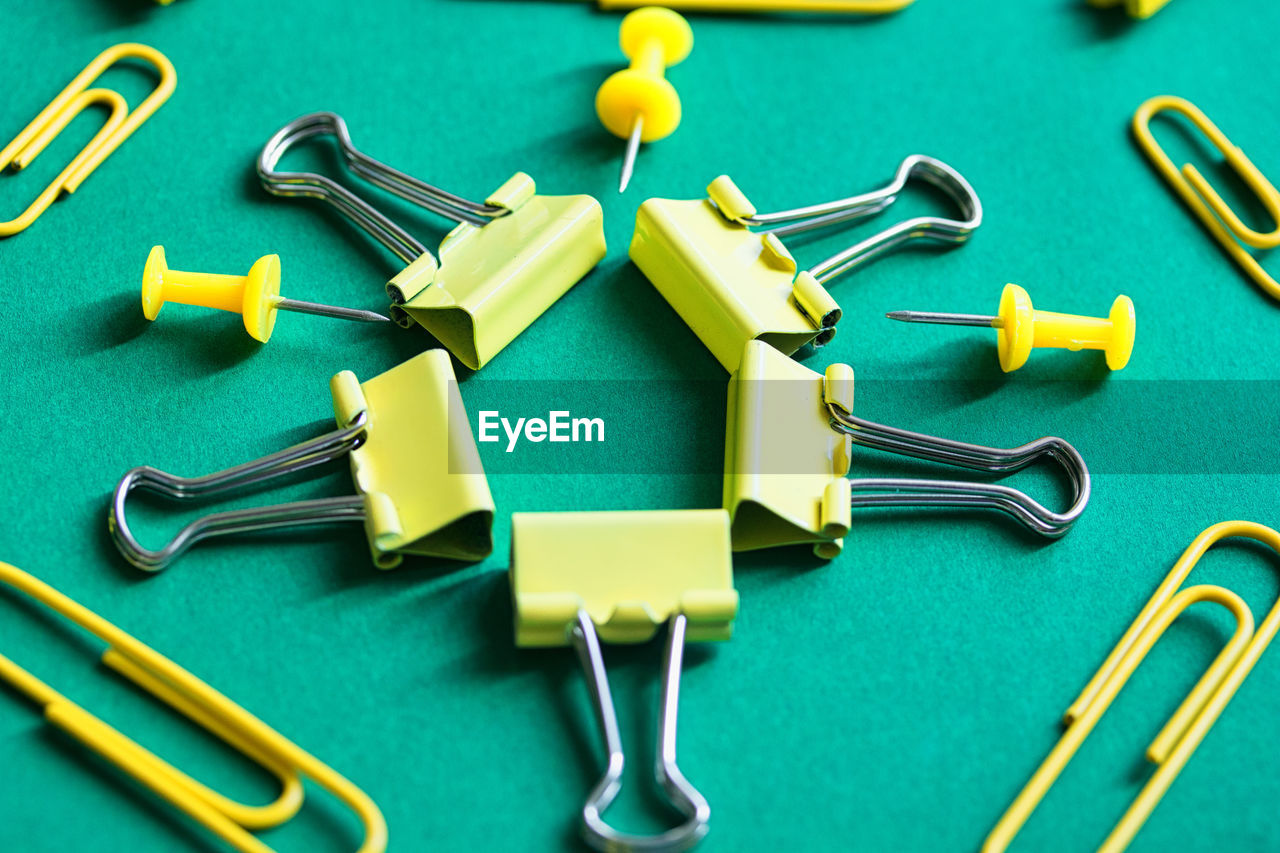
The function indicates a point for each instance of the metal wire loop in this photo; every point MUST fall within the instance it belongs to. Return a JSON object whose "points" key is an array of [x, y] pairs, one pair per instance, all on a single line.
{"points": [[960, 493], [308, 454], [916, 166], [599, 834], [377, 224]]}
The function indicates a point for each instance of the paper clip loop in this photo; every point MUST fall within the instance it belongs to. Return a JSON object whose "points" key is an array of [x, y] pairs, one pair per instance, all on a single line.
{"points": [[1184, 731], [788, 450], [663, 566], [229, 820], [1199, 195], [421, 487], [506, 262], [121, 123], [732, 285]]}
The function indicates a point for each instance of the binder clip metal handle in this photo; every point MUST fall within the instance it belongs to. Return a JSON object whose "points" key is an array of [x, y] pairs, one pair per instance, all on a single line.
{"points": [[308, 454], [377, 224], [917, 167], [597, 832], [962, 493]]}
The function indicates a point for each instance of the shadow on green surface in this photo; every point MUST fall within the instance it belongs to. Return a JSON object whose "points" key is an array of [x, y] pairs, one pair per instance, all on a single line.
{"points": [[170, 823], [117, 320], [1093, 24]]}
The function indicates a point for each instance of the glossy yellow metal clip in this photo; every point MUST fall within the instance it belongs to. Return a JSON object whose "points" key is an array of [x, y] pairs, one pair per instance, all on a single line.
{"points": [[420, 486], [1205, 202], [493, 280], [1134, 8], [659, 564], [508, 260], [788, 447], [732, 284], [67, 105], [1184, 731], [833, 7], [229, 820], [579, 577]]}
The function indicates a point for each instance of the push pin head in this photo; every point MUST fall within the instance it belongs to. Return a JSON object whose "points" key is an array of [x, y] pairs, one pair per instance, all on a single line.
{"points": [[638, 104], [255, 296], [1020, 328]]}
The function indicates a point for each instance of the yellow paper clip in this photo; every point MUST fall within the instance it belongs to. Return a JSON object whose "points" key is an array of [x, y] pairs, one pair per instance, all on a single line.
{"points": [[581, 577], [507, 261], [1134, 8], [1184, 731], [1204, 201], [33, 139], [229, 820], [733, 285], [420, 486], [821, 7], [789, 439]]}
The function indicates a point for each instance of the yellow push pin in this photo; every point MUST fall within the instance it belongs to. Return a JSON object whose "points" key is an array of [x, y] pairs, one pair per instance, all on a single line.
{"points": [[638, 104], [256, 296], [1019, 328]]}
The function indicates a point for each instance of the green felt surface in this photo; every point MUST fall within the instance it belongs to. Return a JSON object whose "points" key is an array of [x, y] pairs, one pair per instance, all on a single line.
{"points": [[894, 699]]}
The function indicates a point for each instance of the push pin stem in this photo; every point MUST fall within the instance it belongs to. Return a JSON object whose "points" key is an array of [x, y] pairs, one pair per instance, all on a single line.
{"points": [[255, 296], [1020, 328], [638, 104]]}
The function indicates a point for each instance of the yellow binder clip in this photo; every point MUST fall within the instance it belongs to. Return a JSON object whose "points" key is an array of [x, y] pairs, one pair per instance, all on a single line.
{"points": [[789, 442], [33, 139], [1205, 202], [820, 7], [229, 820], [580, 577], [733, 285], [1184, 731], [1134, 8], [504, 264], [420, 486]]}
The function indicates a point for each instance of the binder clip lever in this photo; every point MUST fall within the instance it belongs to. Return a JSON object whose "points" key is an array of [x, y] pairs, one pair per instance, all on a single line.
{"points": [[915, 167], [377, 224], [962, 493], [686, 798], [316, 451]]}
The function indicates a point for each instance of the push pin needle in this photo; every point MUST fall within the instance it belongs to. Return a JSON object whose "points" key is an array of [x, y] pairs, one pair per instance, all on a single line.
{"points": [[638, 104], [633, 148], [1020, 327], [255, 296]]}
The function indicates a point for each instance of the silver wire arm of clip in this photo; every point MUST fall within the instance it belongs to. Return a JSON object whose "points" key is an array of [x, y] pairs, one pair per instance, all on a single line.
{"points": [[599, 834], [316, 451], [916, 166], [960, 493], [377, 224]]}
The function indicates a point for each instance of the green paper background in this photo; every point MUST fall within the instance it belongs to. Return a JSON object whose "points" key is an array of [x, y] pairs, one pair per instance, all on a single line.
{"points": [[894, 699]]}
